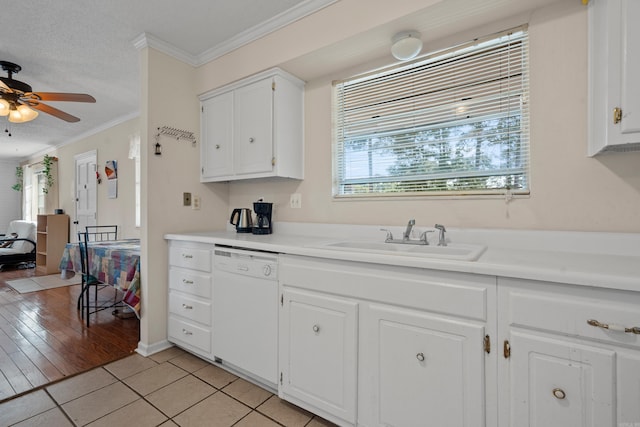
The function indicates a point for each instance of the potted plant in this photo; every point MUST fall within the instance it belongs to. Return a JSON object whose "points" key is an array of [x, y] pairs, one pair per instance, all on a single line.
{"points": [[48, 174], [19, 179]]}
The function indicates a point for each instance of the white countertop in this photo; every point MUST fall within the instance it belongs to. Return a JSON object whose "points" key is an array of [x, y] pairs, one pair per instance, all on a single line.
{"points": [[606, 260]]}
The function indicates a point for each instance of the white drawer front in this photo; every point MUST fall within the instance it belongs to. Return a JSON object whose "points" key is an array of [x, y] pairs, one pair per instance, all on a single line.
{"points": [[456, 294], [190, 308], [190, 282], [184, 332], [568, 310], [193, 258]]}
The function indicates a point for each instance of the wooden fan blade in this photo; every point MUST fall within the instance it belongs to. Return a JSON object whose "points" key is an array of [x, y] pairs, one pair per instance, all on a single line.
{"points": [[54, 112], [58, 96], [4, 86]]}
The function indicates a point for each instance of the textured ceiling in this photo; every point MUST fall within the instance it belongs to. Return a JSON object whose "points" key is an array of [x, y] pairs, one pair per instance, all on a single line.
{"points": [[87, 47]]}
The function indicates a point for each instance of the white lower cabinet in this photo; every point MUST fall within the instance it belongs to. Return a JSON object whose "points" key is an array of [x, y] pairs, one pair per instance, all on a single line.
{"points": [[190, 317], [318, 351], [371, 345], [418, 368], [376, 345], [567, 360], [555, 383]]}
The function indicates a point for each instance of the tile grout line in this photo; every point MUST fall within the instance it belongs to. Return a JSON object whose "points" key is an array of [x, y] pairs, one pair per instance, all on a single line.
{"points": [[170, 361]]}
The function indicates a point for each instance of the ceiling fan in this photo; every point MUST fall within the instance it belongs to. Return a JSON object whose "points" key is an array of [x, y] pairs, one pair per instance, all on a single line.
{"points": [[18, 101]]}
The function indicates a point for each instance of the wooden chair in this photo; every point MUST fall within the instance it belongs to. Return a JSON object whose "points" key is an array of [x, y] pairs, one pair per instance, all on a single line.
{"points": [[93, 234]]}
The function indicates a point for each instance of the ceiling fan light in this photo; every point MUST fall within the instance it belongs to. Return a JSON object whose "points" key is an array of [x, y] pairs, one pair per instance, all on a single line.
{"points": [[27, 113], [4, 107], [15, 116], [406, 45]]}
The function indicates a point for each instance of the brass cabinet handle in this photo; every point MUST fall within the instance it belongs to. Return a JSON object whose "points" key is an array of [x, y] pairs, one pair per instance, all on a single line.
{"points": [[187, 282], [187, 307], [614, 327], [184, 331]]}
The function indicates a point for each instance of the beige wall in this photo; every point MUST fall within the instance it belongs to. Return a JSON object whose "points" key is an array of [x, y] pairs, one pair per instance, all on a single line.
{"points": [[569, 191], [111, 144], [169, 99]]}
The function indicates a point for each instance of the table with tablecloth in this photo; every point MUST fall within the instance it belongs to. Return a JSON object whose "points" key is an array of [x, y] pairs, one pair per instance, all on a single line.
{"points": [[116, 263]]}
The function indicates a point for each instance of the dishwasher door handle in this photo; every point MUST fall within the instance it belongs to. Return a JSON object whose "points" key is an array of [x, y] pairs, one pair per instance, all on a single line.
{"points": [[242, 267]]}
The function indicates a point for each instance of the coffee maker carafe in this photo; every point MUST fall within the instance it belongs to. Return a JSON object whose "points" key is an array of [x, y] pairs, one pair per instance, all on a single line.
{"points": [[263, 217]]}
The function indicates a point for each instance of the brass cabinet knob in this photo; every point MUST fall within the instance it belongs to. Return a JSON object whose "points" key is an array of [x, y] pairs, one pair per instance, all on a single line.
{"points": [[420, 357], [316, 328]]}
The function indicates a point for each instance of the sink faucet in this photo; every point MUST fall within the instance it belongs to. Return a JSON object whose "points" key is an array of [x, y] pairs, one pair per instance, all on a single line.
{"points": [[407, 232], [441, 240]]}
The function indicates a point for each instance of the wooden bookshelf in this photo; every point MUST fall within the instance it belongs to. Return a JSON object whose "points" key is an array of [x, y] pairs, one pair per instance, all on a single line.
{"points": [[52, 236]]}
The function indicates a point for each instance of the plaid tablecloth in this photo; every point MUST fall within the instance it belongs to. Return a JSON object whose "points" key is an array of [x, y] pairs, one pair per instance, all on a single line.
{"points": [[114, 262]]}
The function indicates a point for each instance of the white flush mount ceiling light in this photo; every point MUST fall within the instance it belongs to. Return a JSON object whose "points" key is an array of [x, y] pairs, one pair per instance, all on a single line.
{"points": [[406, 45]]}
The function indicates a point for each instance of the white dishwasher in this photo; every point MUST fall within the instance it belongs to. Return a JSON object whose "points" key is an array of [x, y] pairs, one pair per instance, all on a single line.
{"points": [[245, 311]]}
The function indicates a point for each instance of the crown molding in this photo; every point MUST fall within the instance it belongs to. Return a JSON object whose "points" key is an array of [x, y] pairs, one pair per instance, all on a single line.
{"points": [[285, 18], [149, 40]]}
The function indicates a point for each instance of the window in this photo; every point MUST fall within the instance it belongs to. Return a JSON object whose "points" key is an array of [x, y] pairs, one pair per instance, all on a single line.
{"points": [[453, 122], [134, 154]]}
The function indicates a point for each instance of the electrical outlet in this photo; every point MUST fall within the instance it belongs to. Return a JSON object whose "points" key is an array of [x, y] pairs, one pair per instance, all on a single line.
{"points": [[295, 201], [186, 199], [196, 203]]}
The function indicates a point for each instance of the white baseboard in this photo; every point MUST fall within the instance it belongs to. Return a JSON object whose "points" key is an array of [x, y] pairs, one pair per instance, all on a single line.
{"points": [[149, 349]]}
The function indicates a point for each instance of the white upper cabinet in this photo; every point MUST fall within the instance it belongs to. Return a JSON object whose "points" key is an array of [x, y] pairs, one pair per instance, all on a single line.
{"points": [[217, 130], [614, 67], [253, 129]]}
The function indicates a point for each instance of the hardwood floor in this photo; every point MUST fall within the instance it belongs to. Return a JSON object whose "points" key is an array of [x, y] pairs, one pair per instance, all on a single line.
{"points": [[43, 339]]}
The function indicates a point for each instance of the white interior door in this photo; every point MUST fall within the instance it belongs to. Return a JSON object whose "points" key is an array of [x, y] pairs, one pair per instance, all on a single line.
{"points": [[86, 191]]}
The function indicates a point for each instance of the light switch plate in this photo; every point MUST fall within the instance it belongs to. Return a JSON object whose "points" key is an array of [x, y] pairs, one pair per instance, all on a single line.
{"points": [[196, 203], [295, 201], [186, 199]]}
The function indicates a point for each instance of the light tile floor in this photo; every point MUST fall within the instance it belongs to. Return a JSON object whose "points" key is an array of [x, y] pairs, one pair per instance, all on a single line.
{"points": [[170, 388]]}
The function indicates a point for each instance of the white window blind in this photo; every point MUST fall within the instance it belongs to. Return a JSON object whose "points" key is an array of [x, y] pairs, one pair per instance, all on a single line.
{"points": [[453, 122]]}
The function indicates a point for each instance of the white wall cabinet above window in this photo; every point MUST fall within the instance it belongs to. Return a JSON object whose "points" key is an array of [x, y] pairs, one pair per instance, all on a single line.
{"points": [[253, 129], [614, 67]]}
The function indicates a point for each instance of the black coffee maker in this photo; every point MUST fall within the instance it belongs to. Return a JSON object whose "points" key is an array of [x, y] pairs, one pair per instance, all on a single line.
{"points": [[263, 217]]}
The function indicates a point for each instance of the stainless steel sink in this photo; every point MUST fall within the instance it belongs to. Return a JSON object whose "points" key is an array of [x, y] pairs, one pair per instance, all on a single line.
{"points": [[454, 251]]}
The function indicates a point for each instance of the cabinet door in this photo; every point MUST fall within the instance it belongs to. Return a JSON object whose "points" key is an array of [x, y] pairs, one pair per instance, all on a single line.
{"points": [[318, 348], [217, 137], [417, 369], [628, 396], [613, 74], [557, 383], [630, 90], [253, 124]]}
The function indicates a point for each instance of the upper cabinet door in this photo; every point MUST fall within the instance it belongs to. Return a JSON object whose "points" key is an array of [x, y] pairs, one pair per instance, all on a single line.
{"points": [[216, 151], [614, 67], [253, 125], [630, 88]]}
